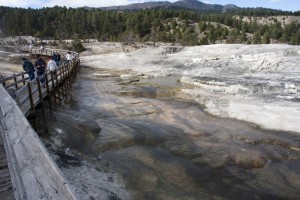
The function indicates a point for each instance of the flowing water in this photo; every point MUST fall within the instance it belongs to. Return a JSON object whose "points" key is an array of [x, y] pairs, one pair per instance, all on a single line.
{"points": [[166, 147]]}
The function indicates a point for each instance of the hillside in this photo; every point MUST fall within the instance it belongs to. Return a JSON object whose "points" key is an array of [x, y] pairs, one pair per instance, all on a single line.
{"points": [[284, 20], [186, 4], [184, 26]]}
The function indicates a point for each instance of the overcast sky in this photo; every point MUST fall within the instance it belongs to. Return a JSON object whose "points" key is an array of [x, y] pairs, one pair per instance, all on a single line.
{"points": [[290, 5]]}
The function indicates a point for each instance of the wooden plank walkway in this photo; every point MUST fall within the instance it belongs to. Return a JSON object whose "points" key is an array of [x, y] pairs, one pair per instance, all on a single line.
{"points": [[26, 169], [6, 188], [34, 175], [23, 93]]}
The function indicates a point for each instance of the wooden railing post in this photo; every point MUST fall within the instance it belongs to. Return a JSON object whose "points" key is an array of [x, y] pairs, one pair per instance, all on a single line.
{"points": [[15, 80], [57, 83], [53, 88], [69, 79], [68, 87], [30, 93], [23, 78], [41, 101], [63, 85], [2, 81], [48, 92], [30, 96], [78, 65]]}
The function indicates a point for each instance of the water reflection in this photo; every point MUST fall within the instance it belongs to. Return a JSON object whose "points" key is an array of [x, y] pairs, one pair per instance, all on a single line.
{"points": [[168, 148]]}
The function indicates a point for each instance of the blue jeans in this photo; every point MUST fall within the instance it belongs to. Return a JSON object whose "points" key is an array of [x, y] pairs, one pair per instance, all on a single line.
{"points": [[40, 73], [31, 75]]}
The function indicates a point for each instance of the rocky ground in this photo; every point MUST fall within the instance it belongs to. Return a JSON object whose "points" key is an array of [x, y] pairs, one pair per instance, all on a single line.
{"points": [[139, 139], [10, 60]]}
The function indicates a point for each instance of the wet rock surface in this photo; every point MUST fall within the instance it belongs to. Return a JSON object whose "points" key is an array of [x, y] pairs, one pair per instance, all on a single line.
{"points": [[142, 140]]}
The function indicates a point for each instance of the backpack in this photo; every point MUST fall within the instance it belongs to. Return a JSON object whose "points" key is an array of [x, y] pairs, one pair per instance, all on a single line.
{"points": [[29, 66], [52, 66]]}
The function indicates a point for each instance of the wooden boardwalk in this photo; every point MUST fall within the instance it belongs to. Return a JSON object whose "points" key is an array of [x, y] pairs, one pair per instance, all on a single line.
{"points": [[26, 169], [6, 188], [28, 94]]}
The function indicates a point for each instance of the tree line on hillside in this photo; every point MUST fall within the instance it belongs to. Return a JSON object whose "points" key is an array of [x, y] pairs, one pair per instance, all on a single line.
{"points": [[181, 26]]}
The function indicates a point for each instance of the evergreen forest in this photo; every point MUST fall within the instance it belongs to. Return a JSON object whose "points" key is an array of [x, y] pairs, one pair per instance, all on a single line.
{"points": [[184, 26]]}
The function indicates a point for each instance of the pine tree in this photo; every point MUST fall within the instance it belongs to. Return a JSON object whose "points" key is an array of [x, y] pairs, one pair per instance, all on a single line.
{"points": [[266, 37], [256, 39]]}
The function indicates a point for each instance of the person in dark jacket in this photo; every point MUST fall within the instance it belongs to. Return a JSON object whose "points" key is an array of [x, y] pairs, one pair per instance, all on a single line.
{"points": [[29, 68], [56, 58], [40, 65]]}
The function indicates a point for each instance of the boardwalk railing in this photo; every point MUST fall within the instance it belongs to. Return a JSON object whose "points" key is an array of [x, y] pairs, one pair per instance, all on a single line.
{"points": [[13, 82], [28, 93], [33, 173]]}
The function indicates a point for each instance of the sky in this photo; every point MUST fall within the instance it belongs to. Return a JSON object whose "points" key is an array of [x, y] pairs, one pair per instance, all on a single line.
{"points": [[289, 5]]}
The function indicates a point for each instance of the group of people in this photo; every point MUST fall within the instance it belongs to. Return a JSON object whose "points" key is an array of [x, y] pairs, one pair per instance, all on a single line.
{"points": [[40, 66]]}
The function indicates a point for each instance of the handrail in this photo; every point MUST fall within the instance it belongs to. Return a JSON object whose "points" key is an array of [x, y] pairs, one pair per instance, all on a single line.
{"points": [[14, 83], [15, 78], [28, 153], [59, 74], [20, 77], [34, 175], [22, 93]]}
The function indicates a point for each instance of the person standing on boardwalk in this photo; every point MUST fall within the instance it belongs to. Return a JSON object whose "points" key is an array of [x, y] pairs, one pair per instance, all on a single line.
{"points": [[29, 68], [69, 57], [40, 65], [56, 58], [51, 66], [42, 48]]}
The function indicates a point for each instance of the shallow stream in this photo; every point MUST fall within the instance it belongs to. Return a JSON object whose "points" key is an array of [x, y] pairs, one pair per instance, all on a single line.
{"points": [[164, 146]]}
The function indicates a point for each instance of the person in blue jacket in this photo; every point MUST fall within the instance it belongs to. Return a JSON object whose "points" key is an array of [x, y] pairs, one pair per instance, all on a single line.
{"points": [[56, 57], [29, 68], [40, 65]]}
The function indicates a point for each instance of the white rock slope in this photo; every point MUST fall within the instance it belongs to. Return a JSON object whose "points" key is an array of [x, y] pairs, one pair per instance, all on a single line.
{"points": [[255, 83]]}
